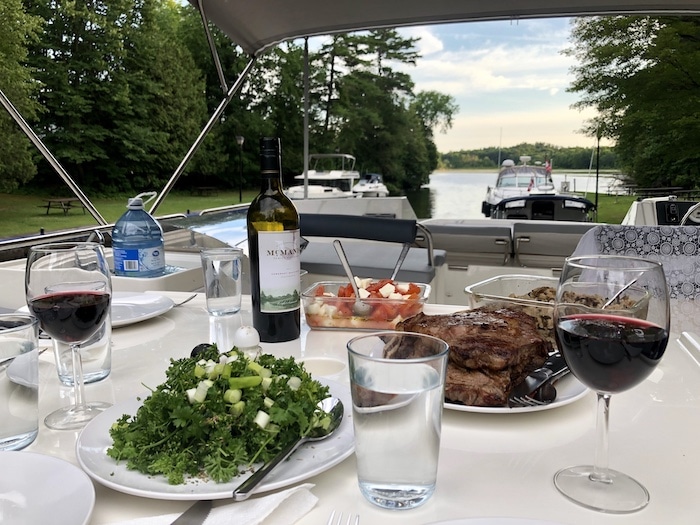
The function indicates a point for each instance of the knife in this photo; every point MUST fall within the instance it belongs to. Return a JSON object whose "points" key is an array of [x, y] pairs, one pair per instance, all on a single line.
{"points": [[554, 366], [195, 515]]}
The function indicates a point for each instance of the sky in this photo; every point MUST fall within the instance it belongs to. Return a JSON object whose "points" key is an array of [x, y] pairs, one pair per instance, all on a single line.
{"points": [[508, 78]]}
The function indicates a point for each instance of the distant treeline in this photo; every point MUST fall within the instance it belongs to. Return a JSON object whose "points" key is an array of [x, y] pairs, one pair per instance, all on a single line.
{"points": [[562, 158]]}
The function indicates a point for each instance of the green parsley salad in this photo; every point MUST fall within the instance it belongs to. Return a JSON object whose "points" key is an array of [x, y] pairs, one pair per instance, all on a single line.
{"points": [[216, 415]]}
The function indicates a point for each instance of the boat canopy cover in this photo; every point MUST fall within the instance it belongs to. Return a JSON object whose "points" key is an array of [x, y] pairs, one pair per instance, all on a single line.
{"points": [[259, 25]]}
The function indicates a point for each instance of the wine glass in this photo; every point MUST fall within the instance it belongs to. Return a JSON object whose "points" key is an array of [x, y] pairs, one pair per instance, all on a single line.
{"points": [[611, 320], [68, 288]]}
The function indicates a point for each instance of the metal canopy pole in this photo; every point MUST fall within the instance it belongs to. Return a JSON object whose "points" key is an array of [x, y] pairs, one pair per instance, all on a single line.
{"points": [[31, 135]]}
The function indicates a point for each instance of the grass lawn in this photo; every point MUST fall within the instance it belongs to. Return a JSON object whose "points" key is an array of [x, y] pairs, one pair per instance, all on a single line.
{"points": [[26, 215]]}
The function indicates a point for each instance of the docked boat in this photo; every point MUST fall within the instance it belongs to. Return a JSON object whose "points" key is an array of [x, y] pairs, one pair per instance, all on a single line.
{"points": [[518, 180], [371, 185], [330, 176], [545, 207]]}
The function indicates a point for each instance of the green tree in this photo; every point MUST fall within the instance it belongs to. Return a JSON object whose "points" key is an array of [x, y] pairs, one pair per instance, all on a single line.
{"points": [[121, 100], [641, 75], [17, 166]]}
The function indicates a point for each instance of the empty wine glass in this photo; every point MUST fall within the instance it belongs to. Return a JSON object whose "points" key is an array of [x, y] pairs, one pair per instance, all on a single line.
{"points": [[611, 320], [68, 288]]}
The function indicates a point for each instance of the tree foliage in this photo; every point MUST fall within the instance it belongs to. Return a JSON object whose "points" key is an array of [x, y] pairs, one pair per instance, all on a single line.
{"points": [[125, 87], [574, 158], [642, 75], [16, 164]]}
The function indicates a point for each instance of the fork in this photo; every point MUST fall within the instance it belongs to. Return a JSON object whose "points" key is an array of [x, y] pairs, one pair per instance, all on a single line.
{"points": [[526, 401], [339, 521]]}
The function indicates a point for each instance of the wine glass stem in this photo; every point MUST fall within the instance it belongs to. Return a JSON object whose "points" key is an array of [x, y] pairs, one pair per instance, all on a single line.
{"points": [[600, 464], [78, 386]]}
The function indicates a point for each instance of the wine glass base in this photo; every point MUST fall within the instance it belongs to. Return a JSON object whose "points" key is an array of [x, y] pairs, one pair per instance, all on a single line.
{"points": [[619, 495], [72, 418]]}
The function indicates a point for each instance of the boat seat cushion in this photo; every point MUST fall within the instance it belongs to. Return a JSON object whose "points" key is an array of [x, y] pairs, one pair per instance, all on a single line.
{"points": [[371, 259], [676, 247], [545, 244], [472, 242]]}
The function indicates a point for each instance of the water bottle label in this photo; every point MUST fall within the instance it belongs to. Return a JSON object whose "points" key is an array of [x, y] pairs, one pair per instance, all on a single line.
{"points": [[279, 260], [142, 260]]}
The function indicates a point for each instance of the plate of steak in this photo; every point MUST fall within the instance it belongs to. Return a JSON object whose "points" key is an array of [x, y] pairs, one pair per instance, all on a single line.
{"points": [[491, 351]]}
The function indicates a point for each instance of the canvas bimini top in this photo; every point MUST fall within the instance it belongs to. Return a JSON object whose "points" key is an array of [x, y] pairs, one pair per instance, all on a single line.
{"points": [[260, 24]]}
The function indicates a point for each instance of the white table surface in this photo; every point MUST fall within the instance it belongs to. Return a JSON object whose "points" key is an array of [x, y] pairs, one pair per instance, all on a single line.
{"points": [[490, 464]]}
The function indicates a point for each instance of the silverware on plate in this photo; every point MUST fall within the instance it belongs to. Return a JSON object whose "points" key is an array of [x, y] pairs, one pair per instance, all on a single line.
{"points": [[553, 368], [195, 515]]}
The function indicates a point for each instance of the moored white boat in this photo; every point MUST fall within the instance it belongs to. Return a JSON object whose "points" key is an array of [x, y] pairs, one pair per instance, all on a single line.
{"points": [[371, 185], [518, 180], [331, 176]]}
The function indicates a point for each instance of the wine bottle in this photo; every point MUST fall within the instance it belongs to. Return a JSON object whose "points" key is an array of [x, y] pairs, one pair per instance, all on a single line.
{"points": [[274, 251]]}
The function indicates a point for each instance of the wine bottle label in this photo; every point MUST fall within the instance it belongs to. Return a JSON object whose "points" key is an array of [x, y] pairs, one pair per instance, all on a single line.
{"points": [[279, 265]]}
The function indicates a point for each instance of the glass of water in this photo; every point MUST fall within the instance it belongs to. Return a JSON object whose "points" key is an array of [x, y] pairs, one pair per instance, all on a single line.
{"points": [[222, 279], [397, 382]]}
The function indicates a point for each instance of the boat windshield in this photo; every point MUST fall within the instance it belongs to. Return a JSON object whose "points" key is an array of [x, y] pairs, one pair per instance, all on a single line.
{"points": [[522, 178]]}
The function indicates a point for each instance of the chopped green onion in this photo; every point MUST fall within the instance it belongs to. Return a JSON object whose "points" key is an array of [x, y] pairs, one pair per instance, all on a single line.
{"points": [[244, 382], [261, 419]]}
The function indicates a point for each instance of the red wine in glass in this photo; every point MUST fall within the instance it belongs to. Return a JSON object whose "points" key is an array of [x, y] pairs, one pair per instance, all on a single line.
{"points": [[610, 353], [68, 288], [612, 323], [71, 317]]}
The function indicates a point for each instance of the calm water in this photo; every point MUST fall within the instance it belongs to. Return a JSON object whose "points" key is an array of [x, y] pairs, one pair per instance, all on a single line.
{"points": [[459, 194]]}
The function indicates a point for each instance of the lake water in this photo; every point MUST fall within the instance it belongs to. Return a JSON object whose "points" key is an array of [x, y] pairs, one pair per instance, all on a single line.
{"points": [[459, 194]]}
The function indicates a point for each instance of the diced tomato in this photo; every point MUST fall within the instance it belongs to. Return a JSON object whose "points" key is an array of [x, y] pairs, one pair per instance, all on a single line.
{"points": [[375, 287], [319, 290], [383, 312], [345, 309], [413, 289]]}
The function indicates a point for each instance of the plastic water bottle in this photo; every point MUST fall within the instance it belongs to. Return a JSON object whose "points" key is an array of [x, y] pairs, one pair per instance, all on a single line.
{"points": [[137, 242]]}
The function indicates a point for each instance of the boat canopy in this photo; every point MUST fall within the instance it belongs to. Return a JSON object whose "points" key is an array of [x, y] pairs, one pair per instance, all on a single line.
{"points": [[260, 25]]}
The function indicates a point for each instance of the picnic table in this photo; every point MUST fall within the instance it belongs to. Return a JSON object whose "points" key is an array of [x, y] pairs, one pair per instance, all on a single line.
{"points": [[204, 191], [63, 203]]}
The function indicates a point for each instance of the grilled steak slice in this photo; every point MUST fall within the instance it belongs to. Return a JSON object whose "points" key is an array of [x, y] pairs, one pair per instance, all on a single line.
{"points": [[476, 388], [486, 339]]}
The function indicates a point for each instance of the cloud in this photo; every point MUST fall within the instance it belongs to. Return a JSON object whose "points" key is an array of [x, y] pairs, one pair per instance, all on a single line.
{"points": [[509, 80]]}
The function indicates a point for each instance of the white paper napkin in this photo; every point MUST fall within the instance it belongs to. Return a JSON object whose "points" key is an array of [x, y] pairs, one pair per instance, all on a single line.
{"points": [[281, 508]]}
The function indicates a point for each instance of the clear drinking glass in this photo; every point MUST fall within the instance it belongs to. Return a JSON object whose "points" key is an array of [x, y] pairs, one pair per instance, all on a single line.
{"points": [[68, 288], [611, 321]]}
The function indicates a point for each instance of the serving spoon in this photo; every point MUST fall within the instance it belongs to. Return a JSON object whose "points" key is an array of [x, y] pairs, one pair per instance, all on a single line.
{"points": [[360, 308], [333, 407]]}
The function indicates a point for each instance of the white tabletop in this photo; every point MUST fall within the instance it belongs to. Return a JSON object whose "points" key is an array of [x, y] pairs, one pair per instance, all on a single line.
{"points": [[490, 464]]}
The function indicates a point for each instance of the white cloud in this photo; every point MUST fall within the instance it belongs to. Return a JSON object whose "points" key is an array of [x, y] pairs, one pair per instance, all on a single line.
{"points": [[509, 80]]}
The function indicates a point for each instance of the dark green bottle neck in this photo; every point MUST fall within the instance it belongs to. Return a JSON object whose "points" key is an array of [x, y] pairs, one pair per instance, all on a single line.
{"points": [[270, 169]]}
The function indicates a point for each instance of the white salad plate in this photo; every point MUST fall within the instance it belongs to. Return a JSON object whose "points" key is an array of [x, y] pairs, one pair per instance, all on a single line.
{"points": [[569, 389], [309, 460], [129, 307], [494, 521], [36, 488]]}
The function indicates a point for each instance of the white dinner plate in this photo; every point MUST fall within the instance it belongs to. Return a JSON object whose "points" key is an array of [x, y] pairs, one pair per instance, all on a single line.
{"points": [[130, 307], [494, 521], [36, 488], [133, 307], [569, 389], [309, 460]]}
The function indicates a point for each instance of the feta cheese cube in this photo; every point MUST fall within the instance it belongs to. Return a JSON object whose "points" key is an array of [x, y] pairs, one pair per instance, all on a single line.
{"points": [[387, 290]]}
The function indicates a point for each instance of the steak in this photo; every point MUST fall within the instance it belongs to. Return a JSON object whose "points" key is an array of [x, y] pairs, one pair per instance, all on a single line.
{"points": [[491, 351]]}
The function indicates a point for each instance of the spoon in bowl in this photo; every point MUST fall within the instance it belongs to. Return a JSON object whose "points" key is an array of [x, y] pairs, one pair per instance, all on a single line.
{"points": [[333, 407], [360, 308]]}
